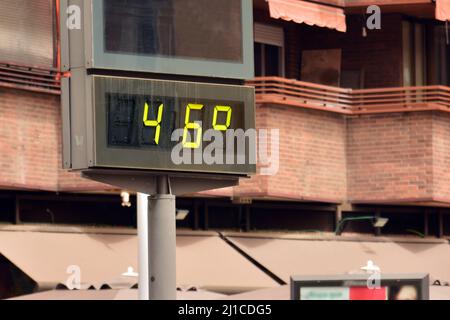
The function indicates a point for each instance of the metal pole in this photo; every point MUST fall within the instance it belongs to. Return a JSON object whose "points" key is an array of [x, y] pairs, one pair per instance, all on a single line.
{"points": [[162, 243], [142, 219]]}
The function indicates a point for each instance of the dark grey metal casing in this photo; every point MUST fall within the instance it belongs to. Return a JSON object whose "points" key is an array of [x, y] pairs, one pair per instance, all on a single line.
{"points": [[81, 147], [85, 148], [76, 44], [85, 123]]}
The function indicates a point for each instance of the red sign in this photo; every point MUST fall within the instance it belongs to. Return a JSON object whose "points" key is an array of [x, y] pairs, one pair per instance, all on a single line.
{"points": [[364, 293]]}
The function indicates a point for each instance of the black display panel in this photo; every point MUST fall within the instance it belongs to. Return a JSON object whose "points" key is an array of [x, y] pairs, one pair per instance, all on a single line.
{"points": [[126, 127], [205, 29], [139, 123], [146, 121]]}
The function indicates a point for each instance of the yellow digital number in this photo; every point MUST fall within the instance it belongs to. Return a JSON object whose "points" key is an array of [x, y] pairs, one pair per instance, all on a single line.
{"points": [[192, 126], [154, 123], [222, 127]]}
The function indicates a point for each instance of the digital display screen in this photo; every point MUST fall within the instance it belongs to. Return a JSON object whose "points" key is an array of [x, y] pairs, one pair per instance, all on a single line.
{"points": [[142, 121], [199, 29], [173, 125]]}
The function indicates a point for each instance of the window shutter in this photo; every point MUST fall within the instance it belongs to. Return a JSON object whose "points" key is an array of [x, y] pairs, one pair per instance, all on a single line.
{"points": [[267, 34]]}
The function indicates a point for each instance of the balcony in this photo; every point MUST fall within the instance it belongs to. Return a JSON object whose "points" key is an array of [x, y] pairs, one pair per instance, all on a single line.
{"points": [[387, 154], [30, 78], [276, 90]]}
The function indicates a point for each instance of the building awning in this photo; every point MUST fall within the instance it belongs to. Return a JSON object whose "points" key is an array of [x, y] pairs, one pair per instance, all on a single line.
{"points": [[117, 294], [277, 293], [286, 257], [284, 293], [46, 256], [204, 260], [310, 13], [443, 10]]}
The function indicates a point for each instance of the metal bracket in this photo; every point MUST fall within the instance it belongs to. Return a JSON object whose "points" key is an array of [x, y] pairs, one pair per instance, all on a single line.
{"points": [[179, 183]]}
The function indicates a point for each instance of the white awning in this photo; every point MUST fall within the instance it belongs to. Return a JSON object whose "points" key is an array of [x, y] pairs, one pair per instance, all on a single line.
{"points": [[130, 294], [286, 257], [204, 260]]}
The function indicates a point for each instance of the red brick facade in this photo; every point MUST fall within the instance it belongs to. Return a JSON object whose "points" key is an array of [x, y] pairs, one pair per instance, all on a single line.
{"points": [[312, 155], [390, 156], [30, 144], [441, 156], [387, 158], [324, 156]]}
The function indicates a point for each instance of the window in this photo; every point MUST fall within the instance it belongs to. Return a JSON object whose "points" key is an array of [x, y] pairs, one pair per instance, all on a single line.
{"points": [[269, 51], [438, 53], [414, 55], [426, 54]]}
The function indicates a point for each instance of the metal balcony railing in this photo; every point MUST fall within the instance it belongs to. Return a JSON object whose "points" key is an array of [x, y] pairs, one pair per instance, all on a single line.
{"points": [[30, 78], [401, 99], [278, 90]]}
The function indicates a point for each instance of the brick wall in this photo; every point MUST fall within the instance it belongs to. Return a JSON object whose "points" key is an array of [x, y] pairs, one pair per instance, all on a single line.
{"points": [[384, 158], [30, 144], [312, 155], [399, 157], [441, 156], [28, 140], [390, 156], [324, 156]]}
